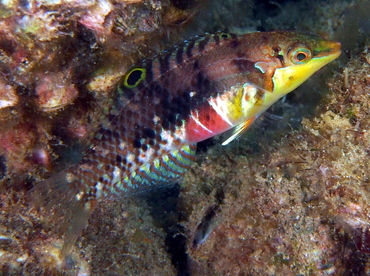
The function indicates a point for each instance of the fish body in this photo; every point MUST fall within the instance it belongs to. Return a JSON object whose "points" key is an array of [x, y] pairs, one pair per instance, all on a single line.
{"points": [[166, 105]]}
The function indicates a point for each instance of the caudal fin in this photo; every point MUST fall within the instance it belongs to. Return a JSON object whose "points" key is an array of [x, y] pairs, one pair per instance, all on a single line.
{"points": [[64, 196]]}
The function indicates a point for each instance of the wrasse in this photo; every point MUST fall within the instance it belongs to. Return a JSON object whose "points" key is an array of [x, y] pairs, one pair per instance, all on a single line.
{"points": [[166, 105]]}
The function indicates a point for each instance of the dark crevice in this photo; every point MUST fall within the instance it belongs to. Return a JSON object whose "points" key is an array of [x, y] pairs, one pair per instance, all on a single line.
{"points": [[352, 250], [2, 167], [203, 146], [184, 4], [163, 208], [176, 247]]}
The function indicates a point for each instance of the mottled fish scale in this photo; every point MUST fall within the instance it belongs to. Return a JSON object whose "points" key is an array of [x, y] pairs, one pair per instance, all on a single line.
{"points": [[167, 104], [154, 113]]}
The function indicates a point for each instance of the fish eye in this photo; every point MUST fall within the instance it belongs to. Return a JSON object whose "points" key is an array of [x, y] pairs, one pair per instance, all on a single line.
{"points": [[134, 77], [300, 55]]}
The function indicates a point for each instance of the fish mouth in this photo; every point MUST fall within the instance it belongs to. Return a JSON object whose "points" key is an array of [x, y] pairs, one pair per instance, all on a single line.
{"points": [[330, 50], [335, 48]]}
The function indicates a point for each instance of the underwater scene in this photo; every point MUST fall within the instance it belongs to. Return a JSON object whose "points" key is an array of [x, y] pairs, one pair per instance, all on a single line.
{"points": [[184, 137]]}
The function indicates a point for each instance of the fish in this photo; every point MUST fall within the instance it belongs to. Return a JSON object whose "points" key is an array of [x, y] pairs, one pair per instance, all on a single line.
{"points": [[165, 105]]}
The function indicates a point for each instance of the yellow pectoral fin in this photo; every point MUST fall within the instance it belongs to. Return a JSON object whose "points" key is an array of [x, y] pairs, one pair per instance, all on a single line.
{"points": [[239, 130]]}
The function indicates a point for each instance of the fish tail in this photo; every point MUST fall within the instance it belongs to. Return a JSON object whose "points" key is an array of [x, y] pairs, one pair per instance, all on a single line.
{"points": [[80, 213], [67, 197]]}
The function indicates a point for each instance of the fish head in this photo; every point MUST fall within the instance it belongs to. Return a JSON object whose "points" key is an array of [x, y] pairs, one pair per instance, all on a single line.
{"points": [[283, 60], [300, 55]]}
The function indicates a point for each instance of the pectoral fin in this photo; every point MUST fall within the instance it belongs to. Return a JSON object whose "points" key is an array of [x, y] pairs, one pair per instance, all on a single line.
{"points": [[239, 130]]}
